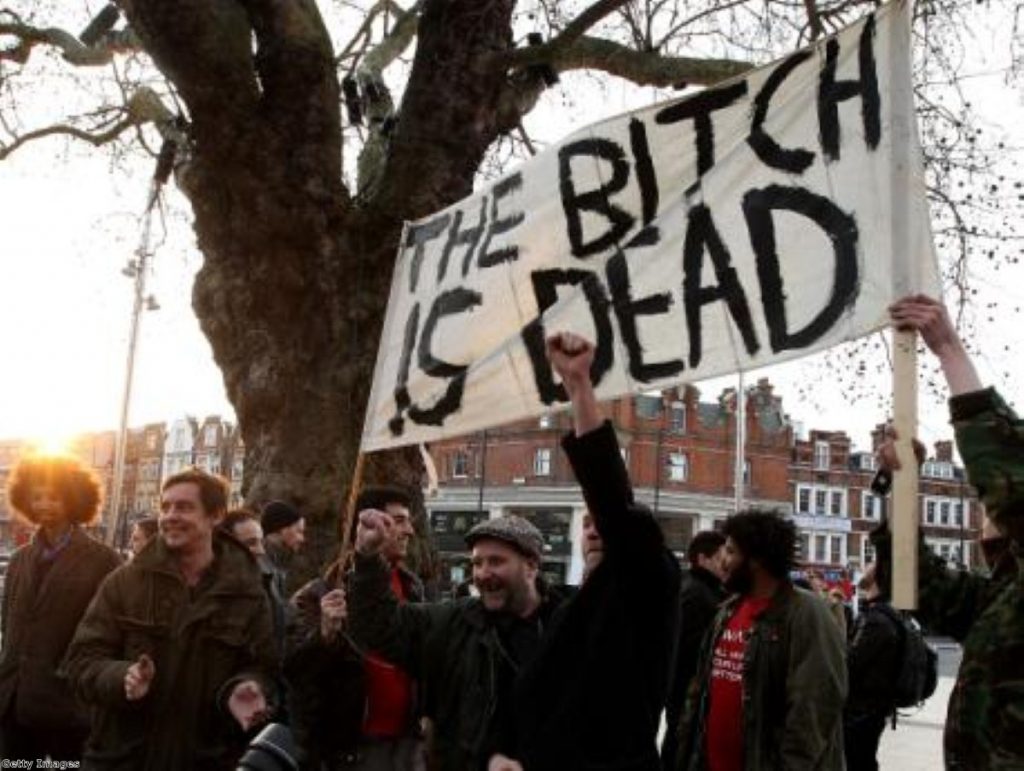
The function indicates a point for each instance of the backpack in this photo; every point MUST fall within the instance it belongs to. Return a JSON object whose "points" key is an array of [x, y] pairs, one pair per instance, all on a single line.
{"points": [[918, 671]]}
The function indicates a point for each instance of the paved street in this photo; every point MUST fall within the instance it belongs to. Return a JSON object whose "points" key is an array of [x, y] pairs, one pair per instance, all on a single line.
{"points": [[916, 744]]}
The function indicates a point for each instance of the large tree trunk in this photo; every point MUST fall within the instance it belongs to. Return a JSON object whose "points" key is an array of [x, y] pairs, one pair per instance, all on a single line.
{"points": [[296, 275]]}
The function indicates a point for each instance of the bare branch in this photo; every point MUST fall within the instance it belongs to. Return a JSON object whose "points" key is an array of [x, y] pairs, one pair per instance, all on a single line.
{"points": [[143, 107], [587, 19], [644, 68], [96, 140], [71, 47], [517, 58]]}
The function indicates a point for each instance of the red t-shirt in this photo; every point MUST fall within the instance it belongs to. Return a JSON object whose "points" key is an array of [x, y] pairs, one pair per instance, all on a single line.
{"points": [[725, 711], [388, 690]]}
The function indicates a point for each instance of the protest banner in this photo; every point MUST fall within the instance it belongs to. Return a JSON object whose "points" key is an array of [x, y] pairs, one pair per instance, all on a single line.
{"points": [[766, 218]]}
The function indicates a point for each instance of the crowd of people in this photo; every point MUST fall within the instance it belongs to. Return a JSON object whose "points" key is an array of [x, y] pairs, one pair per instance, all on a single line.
{"points": [[192, 652]]}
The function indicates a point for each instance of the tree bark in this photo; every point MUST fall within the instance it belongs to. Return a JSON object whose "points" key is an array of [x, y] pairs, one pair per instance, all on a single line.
{"points": [[296, 277]]}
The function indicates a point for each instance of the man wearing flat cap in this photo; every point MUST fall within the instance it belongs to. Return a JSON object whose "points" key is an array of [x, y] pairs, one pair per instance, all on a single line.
{"points": [[467, 653], [530, 676]]}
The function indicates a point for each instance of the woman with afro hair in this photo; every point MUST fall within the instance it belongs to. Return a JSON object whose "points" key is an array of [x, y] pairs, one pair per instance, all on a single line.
{"points": [[50, 582]]}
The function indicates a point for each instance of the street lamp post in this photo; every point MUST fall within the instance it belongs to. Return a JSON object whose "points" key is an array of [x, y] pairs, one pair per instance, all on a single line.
{"points": [[137, 269]]}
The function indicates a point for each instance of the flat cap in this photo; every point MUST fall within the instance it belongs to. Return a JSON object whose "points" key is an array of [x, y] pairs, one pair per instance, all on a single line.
{"points": [[515, 531]]}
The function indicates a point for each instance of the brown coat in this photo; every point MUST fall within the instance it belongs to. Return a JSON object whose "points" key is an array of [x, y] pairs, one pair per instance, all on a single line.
{"points": [[39, 620], [197, 646]]}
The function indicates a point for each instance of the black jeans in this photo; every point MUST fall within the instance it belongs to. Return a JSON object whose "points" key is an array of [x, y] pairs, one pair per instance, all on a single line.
{"points": [[862, 731]]}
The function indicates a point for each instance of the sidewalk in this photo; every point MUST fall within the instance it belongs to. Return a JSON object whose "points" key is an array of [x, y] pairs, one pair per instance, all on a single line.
{"points": [[916, 744]]}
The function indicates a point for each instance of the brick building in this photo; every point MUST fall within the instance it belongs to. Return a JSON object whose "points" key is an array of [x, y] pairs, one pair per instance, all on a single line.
{"points": [[835, 509], [680, 454]]}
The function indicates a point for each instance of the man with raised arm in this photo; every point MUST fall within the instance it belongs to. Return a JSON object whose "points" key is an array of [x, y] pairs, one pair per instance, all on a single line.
{"points": [[985, 720], [592, 697]]}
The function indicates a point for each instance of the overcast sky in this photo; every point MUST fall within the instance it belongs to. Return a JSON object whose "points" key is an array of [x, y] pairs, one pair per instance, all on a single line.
{"points": [[69, 222]]}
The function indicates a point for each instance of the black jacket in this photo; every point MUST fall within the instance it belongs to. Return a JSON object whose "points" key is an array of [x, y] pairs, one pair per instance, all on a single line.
{"points": [[327, 679], [453, 649], [873, 659], [699, 599], [592, 697]]}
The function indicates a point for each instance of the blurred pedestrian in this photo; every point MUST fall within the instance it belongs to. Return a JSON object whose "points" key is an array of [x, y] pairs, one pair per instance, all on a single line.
{"points": [[873, 662], [49, 585], [143, 531], [699, 599], [244, 526]]}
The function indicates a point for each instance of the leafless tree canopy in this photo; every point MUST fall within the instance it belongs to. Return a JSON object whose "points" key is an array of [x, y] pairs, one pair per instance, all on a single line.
{"points": [[310, 129]]}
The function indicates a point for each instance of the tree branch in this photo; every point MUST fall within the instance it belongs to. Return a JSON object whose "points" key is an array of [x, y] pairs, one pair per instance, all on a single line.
{"points": [[643, 68], [74, 51], [517, 58], [205, 49], [380, 108], [143, 107]]}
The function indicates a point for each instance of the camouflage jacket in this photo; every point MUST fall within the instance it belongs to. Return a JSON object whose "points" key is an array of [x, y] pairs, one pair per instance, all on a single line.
{"points": [[985, 721]]}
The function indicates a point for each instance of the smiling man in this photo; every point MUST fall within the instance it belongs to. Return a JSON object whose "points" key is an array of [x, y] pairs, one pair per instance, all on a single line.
{"points": [[176, 651], [467, 653]]}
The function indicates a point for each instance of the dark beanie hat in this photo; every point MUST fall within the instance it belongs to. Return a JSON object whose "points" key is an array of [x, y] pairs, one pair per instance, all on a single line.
{"points": [[277, 515]]}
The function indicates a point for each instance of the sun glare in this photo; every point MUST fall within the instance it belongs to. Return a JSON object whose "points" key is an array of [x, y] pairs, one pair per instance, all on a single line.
{"points": [[51, 443]]}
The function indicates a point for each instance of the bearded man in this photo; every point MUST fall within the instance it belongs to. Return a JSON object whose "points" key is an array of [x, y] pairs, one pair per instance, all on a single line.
{"points": [[771, 681]]}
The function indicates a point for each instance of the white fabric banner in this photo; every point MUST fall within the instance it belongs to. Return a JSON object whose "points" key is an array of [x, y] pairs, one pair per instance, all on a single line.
{"points": [[763, 219]]}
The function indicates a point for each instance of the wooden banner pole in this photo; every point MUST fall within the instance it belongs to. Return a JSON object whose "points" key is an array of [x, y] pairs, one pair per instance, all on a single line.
{"points": [[905, 509], [350, 512]]}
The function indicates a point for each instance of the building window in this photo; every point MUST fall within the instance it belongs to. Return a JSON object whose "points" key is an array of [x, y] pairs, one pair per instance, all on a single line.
{"points": [[958, 517], [803, 501], [746, 472], [944, 508], [821, 455], [929, 512], [460, 464], [678, 467], [838, 558], [820, 501], [648, 406], [820, 547], [867, 462], [837, 503], [677, 418], [804, 548], [542, 462], [151, 442], [210, 438], [871, 506]]}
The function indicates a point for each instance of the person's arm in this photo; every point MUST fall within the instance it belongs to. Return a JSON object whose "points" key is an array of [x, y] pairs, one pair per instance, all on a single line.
{"points": [[930, 319], [396, 631], [593, 448], [95, 662], [571, 357], [816, 687]]}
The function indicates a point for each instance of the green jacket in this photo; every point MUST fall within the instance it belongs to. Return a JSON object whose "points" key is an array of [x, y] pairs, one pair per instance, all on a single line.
{"points": [[794, 686], [985, 719], [452, 649], [197, 644]]}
